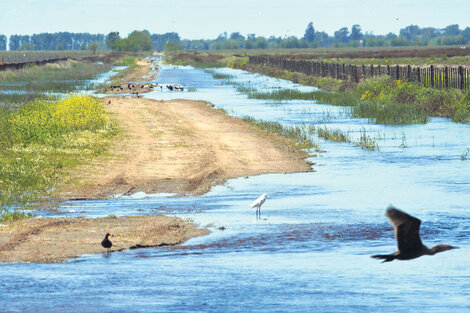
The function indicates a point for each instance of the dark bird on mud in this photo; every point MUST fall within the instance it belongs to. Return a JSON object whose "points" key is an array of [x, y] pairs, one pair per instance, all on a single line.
{"points": [[406, 228], [106, 243]]}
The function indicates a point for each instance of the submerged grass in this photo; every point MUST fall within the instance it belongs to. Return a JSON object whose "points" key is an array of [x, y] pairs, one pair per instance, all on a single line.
{"points": [[42, 139]]}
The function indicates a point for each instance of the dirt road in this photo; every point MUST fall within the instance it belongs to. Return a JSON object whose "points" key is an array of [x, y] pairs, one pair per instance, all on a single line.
{"points": [[180, 146]]}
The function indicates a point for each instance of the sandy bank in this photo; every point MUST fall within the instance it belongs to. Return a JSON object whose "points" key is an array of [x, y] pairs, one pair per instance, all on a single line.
{"points": [[55, 240]]}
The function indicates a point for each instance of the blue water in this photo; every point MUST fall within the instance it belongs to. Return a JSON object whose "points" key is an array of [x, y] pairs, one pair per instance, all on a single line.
{"points": [[309, 252]]}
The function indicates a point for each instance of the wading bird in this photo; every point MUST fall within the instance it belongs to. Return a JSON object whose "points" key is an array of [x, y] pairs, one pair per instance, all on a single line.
{"points": [[106, 243], [406, 228], [258, 203]]}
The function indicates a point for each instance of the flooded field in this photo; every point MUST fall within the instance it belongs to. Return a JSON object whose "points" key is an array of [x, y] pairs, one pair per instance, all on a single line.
{"points": [[310, 251]]}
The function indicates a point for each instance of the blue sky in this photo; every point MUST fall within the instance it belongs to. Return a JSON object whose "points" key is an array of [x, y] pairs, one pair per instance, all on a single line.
{"points": [[195, 19]]}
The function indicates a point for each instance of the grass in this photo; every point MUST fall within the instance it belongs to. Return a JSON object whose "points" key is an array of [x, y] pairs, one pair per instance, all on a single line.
{"points": [[218, 75], [130, 62], [336, 135], [299, 135], [61, 77], [42, 139], [366, 142]]}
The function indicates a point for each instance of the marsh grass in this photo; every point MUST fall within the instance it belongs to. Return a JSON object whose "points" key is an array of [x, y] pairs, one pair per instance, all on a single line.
{"points": [[42, 139], [298, 134], [367, 142], [390, 113], [216, 75], [60, 77], [335, 135]]}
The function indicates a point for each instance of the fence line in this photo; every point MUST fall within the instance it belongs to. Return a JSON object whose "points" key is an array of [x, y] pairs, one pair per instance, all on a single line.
{"points": [[440, 77]]}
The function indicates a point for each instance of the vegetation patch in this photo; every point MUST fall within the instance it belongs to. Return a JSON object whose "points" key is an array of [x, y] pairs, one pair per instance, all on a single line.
{"points": [[42, 139], [299, 135]]}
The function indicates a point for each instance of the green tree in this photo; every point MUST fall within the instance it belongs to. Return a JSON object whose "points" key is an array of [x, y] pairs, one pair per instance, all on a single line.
{"points": [[3, 42], [93, 47], [60, 46], [169, 47], [342, 35], [356, 33], [309, 35], [111, 39]]}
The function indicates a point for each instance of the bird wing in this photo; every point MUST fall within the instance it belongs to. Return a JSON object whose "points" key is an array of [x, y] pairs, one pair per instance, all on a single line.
{"points": [[406, 228], [257, 202]]}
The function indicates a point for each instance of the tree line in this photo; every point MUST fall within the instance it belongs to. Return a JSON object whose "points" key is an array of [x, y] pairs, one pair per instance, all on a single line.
{"points": [[411, 35]]}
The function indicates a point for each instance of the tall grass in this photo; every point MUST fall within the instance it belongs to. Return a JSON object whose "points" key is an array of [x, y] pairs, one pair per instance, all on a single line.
{"points": [[61, 77], [299, 135], [42, 139]]}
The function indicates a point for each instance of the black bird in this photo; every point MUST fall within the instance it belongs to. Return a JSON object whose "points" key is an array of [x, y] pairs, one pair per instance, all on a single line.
{"points": [[106, 243], [406, 228]]}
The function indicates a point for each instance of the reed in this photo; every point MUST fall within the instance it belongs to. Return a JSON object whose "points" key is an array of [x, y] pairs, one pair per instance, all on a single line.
{"points": [[335, 135], [298, 134]]}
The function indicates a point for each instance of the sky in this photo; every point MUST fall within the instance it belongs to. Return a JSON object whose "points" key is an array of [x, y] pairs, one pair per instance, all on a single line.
{"points": [[196, 19]]}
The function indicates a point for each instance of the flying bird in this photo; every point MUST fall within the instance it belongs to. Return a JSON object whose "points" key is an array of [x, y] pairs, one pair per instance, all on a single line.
{"points": [[106, 243], [258, 203], [406, 228]]}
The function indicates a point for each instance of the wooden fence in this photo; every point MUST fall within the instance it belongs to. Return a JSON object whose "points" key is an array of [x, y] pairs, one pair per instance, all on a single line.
{"points": [[429, 76]]}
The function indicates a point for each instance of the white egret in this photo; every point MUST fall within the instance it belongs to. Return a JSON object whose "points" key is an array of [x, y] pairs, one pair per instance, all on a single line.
{"points": [[258, 203]]}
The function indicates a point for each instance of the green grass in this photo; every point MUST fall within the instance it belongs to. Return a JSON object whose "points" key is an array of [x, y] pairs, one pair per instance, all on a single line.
{"points": [[60, 77], [335, 135], [299, 135], [366, 142], [43, 138]]}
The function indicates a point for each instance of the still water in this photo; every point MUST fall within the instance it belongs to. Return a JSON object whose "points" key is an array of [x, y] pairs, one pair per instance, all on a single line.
{"points": [[309, 252]]}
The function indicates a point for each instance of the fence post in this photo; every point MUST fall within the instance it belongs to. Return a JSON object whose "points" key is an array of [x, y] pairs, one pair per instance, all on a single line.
{"points": [[409, 73], [432, 75], [418, 69], [397, 74], [446, 77], [379, 69], [460, 77]]}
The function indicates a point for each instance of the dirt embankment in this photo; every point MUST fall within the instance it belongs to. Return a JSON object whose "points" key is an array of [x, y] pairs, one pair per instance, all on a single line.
{"points": [[180, 146], [57, 240]]}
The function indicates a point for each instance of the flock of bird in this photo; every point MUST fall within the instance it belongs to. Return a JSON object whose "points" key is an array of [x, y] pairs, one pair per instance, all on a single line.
{"points": [[405, 226], [131, 87]]}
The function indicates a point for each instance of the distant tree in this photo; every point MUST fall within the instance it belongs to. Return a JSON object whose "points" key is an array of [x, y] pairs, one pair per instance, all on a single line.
{"points": [[452, 40], [236, 36], [309, 35], [111, 39], [466, 33], [83, 46], [410, 32], [261, 43], [3, 42], [159, 40], [342, 35], [26, 46], [356, 33], [222, 36], [400, 42], [169, 47], [451, 30], [93, 47], [60, 46], [136, 41]]}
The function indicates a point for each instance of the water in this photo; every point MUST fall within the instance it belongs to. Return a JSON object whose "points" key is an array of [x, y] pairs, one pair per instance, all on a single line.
{"points": [[309, 252]]}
